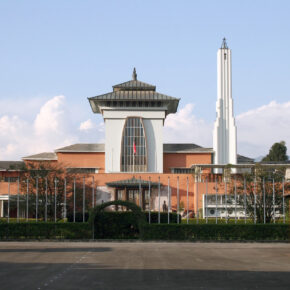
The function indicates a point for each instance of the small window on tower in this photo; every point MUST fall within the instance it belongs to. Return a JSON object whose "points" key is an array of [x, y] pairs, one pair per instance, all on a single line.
{"points": [[225, 56]]}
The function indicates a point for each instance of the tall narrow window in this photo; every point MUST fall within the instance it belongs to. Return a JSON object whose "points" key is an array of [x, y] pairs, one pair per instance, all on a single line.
{"points": [[134, 150]]}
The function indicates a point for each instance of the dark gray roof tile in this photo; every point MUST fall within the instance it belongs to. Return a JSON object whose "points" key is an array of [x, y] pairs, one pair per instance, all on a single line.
{"points": [[82, 147], [135, 84], [11, 165], [244, 159], [185, 148], [134, 95], [41, 156]]}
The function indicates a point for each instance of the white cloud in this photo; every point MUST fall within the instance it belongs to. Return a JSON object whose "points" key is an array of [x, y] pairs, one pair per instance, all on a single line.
{"points": [[92, 132], [51, 127], [184, 127], [48, 130], [87, 125], [52, 117], [259, 128]]}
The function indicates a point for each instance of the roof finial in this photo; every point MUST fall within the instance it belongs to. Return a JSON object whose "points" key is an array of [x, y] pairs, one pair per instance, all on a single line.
{"points": [[224, 44], [134, 75]]}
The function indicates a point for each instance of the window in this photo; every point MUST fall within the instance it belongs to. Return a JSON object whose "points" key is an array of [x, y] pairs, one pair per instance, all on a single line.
{"points": [[83, 170], [11, 179], [134, 149]]}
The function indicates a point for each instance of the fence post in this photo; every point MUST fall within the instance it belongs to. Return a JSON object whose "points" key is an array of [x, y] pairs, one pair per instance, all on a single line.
{"points": [[64, 205], [45, 209], [74, 211], [245, 199], [216, 200], [197, 213], [36, 201], [283, 201], [187, 200], [149, 200], [84, 193], [168, 196], [93, 192], [205, 208], [274, 214], [27, 199], [159, 199], [178, 199], [55, 193], [140, 194], [264, 200], [226, 200], [255, 201], [235, 199], [8, 206], [18, 199]]}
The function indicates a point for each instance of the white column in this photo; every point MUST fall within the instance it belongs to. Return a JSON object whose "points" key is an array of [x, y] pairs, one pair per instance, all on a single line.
{"points": [[225, 131]]}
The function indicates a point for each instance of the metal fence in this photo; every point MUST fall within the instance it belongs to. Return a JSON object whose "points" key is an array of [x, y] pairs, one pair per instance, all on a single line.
{"points": [[234, 199]]}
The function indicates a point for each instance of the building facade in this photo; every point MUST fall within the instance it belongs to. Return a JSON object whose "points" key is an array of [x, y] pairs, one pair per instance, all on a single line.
{"points": [[134, 163]]}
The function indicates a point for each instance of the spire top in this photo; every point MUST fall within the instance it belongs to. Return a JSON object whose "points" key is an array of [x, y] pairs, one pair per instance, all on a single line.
{"points": [[224, 43], [134, 75]]}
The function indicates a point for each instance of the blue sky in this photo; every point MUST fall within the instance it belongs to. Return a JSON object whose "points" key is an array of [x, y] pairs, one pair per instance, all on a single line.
{"points": [[79, 49]]}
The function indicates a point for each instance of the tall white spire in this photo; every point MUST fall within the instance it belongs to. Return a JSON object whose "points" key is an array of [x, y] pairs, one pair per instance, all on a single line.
{"points": [[225, 131]]}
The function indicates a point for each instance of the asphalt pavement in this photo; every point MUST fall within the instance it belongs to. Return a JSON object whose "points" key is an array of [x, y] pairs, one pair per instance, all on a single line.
{"points": [[126, 265]]}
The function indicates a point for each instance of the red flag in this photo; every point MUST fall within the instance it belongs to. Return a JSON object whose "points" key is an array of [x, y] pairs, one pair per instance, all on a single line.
{"points": [[134, 147]]}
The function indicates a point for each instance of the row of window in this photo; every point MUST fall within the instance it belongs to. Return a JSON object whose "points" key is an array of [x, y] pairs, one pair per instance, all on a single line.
{"points": [[83, 170], [11, 179]]}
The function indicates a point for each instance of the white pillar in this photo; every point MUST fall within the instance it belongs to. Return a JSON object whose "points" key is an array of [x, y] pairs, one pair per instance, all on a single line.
{"points": [[225, 131], [1, 208]]}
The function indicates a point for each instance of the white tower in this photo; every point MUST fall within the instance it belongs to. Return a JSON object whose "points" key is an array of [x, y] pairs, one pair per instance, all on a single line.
{"points": [[225, 131]]}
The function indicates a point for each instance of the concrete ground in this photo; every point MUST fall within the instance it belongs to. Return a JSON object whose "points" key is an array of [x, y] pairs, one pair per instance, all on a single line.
{"points": [[100, 265]]}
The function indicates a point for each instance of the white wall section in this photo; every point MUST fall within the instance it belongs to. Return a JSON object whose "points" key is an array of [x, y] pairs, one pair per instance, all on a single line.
{"points": [[153, 125]]}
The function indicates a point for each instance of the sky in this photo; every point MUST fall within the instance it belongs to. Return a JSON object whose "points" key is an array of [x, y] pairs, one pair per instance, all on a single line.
{"points": [[56, 54]]}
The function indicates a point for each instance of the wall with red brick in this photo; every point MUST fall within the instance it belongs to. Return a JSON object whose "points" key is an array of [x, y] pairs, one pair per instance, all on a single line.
{"points": [[93, 159], [184, 160]]}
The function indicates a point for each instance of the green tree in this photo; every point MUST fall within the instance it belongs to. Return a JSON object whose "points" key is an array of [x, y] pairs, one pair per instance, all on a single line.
{"points": [[48, 177], [277, 152], [259, 198]]}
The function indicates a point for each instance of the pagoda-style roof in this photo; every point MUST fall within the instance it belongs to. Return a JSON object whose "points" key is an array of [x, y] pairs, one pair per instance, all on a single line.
{"points": [[134, 85], [133, 182], [134, 95]]}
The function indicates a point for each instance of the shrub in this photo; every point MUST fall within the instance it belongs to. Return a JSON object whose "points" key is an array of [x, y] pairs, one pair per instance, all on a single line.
{"points": [[42, 230], [116, 225], [78, 217], [220, 232], [163, 217]]}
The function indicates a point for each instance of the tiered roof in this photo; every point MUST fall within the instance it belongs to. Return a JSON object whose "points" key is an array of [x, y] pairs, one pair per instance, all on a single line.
{"points": [[134, 94]]}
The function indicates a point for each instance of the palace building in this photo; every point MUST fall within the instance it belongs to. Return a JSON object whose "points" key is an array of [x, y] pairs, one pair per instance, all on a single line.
{"points": [[134, 163]]}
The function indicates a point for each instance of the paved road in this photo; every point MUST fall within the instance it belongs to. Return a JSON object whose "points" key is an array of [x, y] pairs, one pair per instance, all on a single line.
{"points": [[99, 265]]}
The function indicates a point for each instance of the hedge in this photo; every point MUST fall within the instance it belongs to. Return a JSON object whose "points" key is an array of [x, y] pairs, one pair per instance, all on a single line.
{"points": [[154, 217], [163, 217], [123, 225], [116, 225], [78, 217], [220, 232], [45, 230]]}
